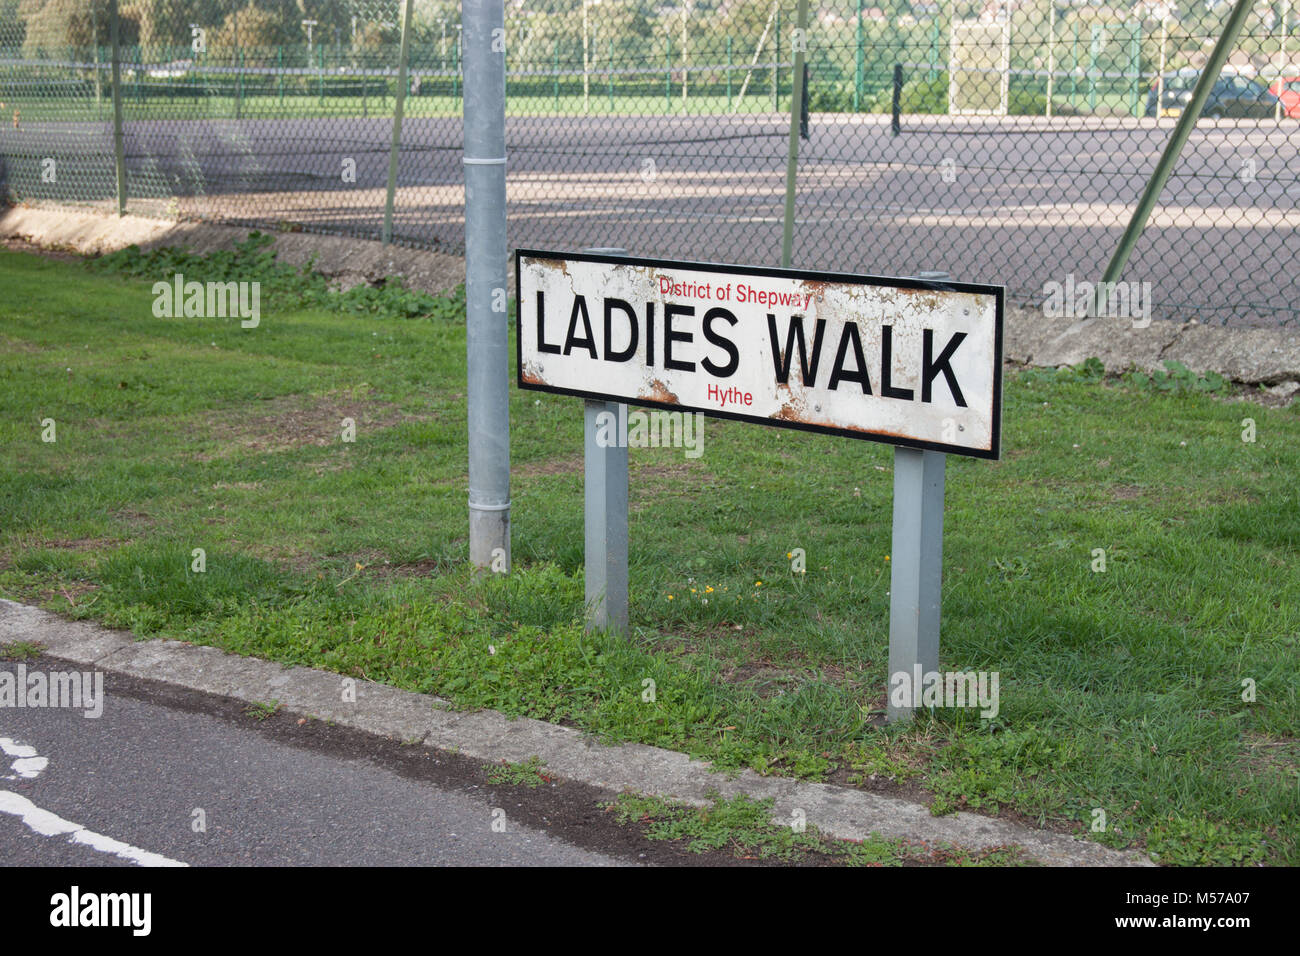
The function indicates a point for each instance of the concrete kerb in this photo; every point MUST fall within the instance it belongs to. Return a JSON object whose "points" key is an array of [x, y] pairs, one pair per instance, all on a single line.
{"points": [[492, 737], [345, 260], [1247, 356]]}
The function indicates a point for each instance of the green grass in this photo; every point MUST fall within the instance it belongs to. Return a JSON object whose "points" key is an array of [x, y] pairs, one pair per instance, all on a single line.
{"points": [[261, 710], [758, 99], [527, 774], [20, 651], [1120, 691], [746, 827], [641, 102]]}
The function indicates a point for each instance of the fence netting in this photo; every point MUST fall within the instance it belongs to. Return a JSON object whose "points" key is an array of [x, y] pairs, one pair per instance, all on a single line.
{"points": [[1002, 142]]}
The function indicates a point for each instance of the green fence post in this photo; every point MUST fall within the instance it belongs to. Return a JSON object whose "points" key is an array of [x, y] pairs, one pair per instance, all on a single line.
{"points": [[1074, 68], [610, 67], [1173, 149], [1093, 50], [1135, 64], [857, 69], [667, 74], [119, 153], [934, 51], [728, 73], [99, 81], [792, 156], [455, 76], [399, 103], [776, 65]]}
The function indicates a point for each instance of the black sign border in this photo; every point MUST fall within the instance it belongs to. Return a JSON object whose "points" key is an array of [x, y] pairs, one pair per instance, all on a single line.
{"points": [[998, 292]]}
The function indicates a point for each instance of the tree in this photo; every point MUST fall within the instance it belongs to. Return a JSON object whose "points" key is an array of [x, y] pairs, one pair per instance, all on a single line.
{"points": [[247, 29], [52, 28], [12, 27], [164, 23]]}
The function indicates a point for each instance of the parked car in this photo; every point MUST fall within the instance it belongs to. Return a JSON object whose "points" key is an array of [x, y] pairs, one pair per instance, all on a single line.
{"points": [[1232, 96], [1287, 89]]}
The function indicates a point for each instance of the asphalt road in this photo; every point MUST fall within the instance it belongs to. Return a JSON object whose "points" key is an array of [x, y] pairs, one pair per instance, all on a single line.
{"points": [[272, 792], [1018, 201]]}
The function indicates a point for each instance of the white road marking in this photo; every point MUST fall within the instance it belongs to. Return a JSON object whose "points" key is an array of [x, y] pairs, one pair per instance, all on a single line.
{"points": [[29, 765], [48, 824]]}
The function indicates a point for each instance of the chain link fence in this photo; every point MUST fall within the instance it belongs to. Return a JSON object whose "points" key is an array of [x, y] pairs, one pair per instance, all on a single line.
{"points": [[1002, 142]]}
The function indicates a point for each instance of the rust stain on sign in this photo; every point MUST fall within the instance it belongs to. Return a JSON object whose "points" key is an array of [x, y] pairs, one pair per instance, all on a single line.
{"points": [[805, 417], [925, 299], [554, 265], [816, 289], [532, 374], [792, 409], [659, 393]]}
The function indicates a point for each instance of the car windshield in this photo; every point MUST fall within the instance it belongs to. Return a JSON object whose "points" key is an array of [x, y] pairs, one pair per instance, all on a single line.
{"points": [[1181, 81]]}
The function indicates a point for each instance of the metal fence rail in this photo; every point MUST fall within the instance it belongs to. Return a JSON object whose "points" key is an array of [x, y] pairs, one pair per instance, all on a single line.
{"points": [[1026, 131]]}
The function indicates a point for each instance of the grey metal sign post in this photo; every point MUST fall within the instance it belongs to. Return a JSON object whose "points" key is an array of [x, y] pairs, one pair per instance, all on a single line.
{"points": [[605, 510], [605, 522], [915, 570], [485, 284], [915, 564]]}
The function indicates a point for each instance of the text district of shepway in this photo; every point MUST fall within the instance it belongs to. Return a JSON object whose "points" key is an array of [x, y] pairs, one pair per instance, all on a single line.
{"points": [[848, 367]]}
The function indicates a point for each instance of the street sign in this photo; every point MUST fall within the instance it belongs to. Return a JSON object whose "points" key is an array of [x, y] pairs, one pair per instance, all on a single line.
{"points": [[902, 361], [916, 363]]}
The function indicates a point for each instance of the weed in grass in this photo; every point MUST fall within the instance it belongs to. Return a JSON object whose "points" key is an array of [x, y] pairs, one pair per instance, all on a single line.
{"points": [[794, 763], [527, 774], [745, 826], [1196, 841], [253, 261], [261, 710], [20, 651], [867, 761], [741, 824], [947, 855], [1177, 377], [1174, 378], [984, 770], [1088, 372]]}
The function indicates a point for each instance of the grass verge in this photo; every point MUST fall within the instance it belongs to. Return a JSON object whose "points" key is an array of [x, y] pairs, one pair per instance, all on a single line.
{"points": [[200, 486]]}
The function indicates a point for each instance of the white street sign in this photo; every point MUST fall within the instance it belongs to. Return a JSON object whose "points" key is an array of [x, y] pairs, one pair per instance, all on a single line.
{"points": [[902, 361]]}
